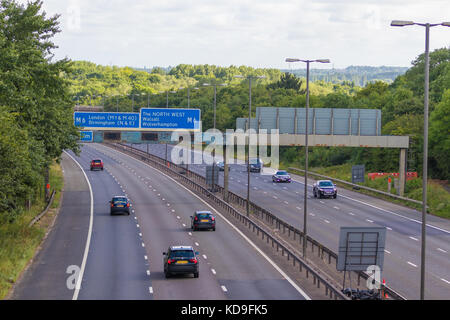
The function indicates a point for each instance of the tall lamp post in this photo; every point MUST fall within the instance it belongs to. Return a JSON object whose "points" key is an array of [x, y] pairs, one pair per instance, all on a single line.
{"points": [[214, 126], [400, 23], [188, 95], [250, 78], [305, 199]]}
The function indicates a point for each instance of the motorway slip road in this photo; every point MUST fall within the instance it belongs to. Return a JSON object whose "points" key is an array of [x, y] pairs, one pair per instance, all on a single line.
{"points": [[121, 256], [326, 216]]}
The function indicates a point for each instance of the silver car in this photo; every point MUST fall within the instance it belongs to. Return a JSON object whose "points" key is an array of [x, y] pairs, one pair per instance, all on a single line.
{"points": [[281, 176]]}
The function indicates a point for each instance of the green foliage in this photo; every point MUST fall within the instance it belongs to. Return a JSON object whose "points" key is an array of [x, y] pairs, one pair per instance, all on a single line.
{"points": [[439, 137], [37, 115]]}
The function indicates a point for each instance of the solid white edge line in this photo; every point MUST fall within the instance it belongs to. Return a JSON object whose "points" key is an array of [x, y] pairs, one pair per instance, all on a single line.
{"points": [[88, 240], [292, 283]]}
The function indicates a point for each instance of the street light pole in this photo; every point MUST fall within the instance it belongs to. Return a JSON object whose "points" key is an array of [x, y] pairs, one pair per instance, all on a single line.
{"points": [[305, 198], [248, 138], [399, 23]]}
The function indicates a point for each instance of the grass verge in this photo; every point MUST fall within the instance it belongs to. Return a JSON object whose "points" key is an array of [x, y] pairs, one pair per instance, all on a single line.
{"points": [[18, 242]]}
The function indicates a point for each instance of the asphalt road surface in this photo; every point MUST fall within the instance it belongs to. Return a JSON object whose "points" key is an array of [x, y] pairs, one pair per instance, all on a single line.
{"points": [[123, 254], [326, 216]]}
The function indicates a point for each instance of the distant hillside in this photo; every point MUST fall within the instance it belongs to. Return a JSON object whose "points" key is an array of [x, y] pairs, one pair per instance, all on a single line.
{"points": [[360, 75]]}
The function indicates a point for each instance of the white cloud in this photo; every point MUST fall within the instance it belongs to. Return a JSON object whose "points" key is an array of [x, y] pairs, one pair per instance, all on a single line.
{"points": [[259, 33]]}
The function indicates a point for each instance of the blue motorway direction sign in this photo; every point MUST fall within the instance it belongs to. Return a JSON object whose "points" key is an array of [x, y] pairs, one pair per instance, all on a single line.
{"points": [[116, 120], [170, 119], [86, 136]]}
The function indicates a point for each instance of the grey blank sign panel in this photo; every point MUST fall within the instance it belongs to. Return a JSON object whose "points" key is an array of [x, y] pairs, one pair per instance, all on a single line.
{"points": [[360, 247], [209, 175], [358, 173]]}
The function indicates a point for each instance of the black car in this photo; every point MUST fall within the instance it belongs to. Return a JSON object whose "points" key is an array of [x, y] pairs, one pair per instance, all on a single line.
{"points": [[256, 165], [203, 220], [324, 188], [281, 176], [120, 204], [180, 260]]}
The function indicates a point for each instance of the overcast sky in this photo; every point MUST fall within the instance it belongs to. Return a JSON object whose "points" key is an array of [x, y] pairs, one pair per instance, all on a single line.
{"points": [[257, 33]]}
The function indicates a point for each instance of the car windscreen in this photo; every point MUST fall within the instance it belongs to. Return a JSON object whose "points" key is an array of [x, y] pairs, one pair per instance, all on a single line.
{"points": [[282, 173], [120, 200], [182, 254], [325, 184]]}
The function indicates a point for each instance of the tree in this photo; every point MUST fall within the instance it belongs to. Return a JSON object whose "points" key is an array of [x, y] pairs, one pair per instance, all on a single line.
{"points": [[31, 84], [287, 81], [440, 136]]}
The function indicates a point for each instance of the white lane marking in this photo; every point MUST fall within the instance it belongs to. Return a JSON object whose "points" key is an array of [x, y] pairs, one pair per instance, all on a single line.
{"points": [[441, 250], [204, 257], [265, 192], [143, 244], [390, 229], [368, 220], [387, 251], [184, 225], [178, 217], [173, 210], [190, 233], [137, 225], [299, 208], [448, 282], [396, 214], [412, 264], [312, 214], [224, 288], [286, 202], [213, 271], [148, 272], [415, 239], [197, 244], [337, 208], [140, 234], [326, 221], [321, 201], [275, 197], [150, 290], [88, 240], [283, 274], [145, 257], [351, 213]]}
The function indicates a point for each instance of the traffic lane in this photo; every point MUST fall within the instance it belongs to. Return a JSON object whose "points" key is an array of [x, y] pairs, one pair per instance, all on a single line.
{"points": [[46, 278], [159, 229], [324, 224], [115, 266], [404, 247], [242, 270], [366, 216]]}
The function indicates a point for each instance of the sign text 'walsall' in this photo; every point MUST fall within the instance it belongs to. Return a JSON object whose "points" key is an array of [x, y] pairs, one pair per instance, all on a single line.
{"points": [[170, 119]]}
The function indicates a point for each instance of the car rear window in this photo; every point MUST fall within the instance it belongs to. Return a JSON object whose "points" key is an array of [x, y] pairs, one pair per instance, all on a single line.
{"points": [[97, 161], [182, 254], [120, 200], [282, 173], [203, 215], [325, 184]]}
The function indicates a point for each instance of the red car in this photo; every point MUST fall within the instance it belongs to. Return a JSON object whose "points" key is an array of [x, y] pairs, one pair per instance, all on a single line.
{"points": [[96, 164]]}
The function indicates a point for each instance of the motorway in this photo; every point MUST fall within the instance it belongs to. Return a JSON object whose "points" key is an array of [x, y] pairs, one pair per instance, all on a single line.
{"points": [[121, 256], [326, 216]]}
